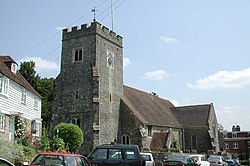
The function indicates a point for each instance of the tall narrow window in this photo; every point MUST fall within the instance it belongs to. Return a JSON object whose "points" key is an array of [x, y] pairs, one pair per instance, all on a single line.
{"points": [[35, 103], [23, 97], [2, 121], [4, 85], [149, 131], [193, 142]]}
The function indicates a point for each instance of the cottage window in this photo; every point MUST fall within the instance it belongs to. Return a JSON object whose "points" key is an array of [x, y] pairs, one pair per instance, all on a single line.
{"points": [[235, 146], [4, 85], [33, 126], [234, 135], [35, 103], [78, 55], [2, 121], [24, 96]]}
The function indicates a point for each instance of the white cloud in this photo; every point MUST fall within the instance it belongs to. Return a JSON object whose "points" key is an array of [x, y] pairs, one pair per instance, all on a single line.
{"points": [[156, 75], [232, 115], [126, 62], [224, 79], [167, 39], [41, 64]]}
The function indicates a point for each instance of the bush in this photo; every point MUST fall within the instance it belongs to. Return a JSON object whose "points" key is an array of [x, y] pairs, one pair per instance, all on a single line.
{"points": [[11, 151], [71, 134], [29, 153]]}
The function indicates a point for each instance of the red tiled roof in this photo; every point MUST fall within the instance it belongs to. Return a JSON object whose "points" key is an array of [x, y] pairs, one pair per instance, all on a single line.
{"points": [[18, 78], [150, 109], [196, 115], [159, 140]]}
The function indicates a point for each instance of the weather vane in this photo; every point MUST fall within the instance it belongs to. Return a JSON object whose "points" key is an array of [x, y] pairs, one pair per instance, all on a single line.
{"points": [[94, 10]]}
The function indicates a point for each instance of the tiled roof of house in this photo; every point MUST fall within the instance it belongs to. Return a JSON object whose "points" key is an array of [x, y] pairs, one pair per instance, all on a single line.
{"points": [[18, 78], [149, 109], [159, 140], [190, 116]]}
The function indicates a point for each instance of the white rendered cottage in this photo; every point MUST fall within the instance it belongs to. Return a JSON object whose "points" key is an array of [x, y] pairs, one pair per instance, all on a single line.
{"points": [[19, 101]]}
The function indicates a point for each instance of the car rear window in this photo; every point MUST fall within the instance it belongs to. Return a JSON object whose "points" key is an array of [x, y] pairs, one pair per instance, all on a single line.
{"points": [[146, 157], [130, 155]]}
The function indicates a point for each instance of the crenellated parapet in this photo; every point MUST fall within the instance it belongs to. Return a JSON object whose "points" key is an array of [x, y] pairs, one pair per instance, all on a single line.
{"points": [[91, 29]]}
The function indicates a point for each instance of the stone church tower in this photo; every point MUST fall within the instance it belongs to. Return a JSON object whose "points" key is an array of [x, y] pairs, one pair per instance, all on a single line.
{"points": [[88, 90]]}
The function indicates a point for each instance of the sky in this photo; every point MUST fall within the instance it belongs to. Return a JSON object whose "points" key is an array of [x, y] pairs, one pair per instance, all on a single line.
{"points": [[189, 52]]}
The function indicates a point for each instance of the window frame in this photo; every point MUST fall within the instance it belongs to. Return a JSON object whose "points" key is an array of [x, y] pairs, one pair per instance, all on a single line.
{"points": [[2, 122], [36, 103], [77, 55], [235, 146], [23, 96], [4, 86]]}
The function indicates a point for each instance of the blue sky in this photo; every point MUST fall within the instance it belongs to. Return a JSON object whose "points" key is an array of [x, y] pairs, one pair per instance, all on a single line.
{"points": [[189, 52]]}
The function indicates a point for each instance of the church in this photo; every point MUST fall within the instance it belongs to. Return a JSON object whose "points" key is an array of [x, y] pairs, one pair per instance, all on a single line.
{"points": [[90, 93]]}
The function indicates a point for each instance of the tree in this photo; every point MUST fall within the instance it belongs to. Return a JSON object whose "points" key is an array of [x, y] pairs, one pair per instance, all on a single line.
{"points": [[27, 70], [44, 86], [71, 134]]}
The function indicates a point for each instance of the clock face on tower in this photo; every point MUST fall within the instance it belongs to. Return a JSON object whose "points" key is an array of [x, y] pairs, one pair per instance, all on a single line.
{"points": [[110, 60]]}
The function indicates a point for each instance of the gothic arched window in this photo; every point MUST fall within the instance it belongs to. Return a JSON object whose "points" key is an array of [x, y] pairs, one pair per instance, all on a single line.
{"points": [[76, 121], [125, 139], [78, 55], [193, 142]]}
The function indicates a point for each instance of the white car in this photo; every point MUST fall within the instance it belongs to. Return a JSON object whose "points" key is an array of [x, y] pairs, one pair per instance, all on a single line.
{"points": [[200, 159], [148, 158]]}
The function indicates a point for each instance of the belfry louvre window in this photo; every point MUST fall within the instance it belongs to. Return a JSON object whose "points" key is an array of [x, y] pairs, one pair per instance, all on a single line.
{"points": [[78, 55]]}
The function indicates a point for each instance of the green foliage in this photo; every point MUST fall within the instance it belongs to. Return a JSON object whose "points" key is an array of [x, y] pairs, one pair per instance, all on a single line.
{"points": [[11, 151], [44, 86], [57, 143], [20, 136], [71, 134], [45, 142], [27, 70], [29, 153]]}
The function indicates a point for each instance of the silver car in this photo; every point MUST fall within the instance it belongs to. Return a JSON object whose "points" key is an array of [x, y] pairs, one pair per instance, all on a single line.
{"points": [[217, 160]]}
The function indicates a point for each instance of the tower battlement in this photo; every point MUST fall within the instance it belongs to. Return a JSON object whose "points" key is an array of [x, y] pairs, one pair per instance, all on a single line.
{"points": [[90, 29]]}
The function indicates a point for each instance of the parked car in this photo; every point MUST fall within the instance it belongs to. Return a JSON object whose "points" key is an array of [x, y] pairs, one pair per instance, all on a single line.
{"points": [[231, 162], [200, 159], [4, 162], [116, 154], [179, 160], [217, 160], [59, 159], [148, 158]]}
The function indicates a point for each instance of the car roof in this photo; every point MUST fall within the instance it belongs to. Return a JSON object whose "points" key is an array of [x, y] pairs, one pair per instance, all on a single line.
{"points": [[201, 155], [120, 146], [3, 159], [59, 154], [144, 153]]}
